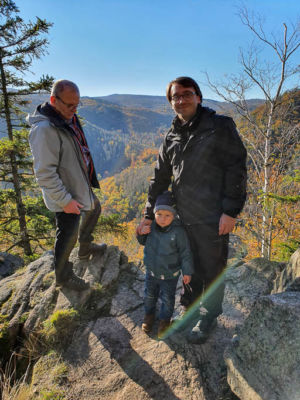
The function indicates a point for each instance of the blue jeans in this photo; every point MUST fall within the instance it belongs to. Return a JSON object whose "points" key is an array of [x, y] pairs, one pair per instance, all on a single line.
{"points": [[163, 288]]}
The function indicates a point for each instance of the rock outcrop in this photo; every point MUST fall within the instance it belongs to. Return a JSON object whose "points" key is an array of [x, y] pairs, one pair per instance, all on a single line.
{"points": [[109, 357], [9, 264], [263, 358], [289, 276], [263, 362]]}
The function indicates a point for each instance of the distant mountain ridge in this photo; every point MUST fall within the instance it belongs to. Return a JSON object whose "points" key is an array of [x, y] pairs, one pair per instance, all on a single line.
{"points": [[161, 103], [136, 100], [118, 124]]}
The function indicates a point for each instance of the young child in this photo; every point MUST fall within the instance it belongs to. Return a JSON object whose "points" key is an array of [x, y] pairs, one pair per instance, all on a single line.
{"points": [[166, 253]]}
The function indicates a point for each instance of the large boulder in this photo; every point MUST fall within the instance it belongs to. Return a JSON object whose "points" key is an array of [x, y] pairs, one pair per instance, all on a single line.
{"points": [[263, 363], [264, 354], [29, 296], [9, 264], [245, 282]]}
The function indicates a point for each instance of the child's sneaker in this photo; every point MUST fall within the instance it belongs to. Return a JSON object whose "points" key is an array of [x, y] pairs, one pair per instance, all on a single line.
{"points": [[162, 327], [148, 323]]}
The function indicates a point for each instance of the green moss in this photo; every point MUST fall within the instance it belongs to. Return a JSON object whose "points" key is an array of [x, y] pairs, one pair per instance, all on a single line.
{"points": [[97, 288], [58, 328], [31, 258], [3, 318], [53, 394], [23, 318]]}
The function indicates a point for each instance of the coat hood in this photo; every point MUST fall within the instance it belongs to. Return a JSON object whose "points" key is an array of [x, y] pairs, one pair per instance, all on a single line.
{"points": [[45, 112], [36, 117]]}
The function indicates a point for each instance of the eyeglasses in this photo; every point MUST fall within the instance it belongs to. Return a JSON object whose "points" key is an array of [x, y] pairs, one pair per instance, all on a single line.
{"points": [[69, 106], [183, 96]]}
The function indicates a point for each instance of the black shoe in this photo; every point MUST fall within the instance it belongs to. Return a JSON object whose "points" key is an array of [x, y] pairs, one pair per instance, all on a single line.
{"points": [[74, 283], [200, 333], [88, 249]]}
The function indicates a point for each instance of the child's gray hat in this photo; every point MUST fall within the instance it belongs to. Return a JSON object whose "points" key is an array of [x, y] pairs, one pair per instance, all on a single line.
{"points": [[165, 201]]}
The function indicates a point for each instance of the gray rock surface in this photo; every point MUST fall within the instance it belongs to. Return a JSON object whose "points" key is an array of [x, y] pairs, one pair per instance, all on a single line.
{"points": [[109, 357], [235, 249], [244, 284], [264, 364], [288, 274], [264, 354], [9, 264]]}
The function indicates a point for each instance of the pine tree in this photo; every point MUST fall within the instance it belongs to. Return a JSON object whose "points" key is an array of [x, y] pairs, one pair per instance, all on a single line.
{"points": [[20, 44]]}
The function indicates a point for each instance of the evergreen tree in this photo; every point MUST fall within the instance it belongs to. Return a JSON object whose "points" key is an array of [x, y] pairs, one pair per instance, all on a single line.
{"points": [[20, 44]]}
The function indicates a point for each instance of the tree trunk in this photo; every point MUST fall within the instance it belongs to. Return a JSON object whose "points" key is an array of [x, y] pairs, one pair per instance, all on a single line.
{"points": [[21, 211], [265, 245]]}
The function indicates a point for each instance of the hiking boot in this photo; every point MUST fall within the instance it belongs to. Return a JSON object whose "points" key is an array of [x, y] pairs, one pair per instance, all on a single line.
{"points": [[162, 327], [186, 319], [74, 283], [200, 333], [88, 249], [148, 323]]}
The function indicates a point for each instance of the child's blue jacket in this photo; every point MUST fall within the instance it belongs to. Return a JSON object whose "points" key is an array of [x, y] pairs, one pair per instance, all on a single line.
{"points": [[167, 251]]}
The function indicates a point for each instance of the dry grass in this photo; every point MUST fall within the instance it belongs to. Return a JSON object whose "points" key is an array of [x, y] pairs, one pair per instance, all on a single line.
{"points": [[12, 388]]}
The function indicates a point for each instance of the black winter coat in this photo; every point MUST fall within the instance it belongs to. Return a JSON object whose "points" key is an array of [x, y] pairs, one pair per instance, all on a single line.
{"points": [[206, 161]]}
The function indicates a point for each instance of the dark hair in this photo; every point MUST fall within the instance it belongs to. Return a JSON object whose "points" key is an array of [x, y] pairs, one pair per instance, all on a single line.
{"points": [[62, 84], [184, 81]]}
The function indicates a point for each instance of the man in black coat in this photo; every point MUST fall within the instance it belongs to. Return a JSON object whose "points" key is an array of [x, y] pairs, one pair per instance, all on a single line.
{"points": [[204, 159]]}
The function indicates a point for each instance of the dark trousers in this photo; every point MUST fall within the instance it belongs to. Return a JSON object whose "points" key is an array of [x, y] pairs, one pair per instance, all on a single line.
{"points": [[68, 228], [163, 288], [210, 253]]}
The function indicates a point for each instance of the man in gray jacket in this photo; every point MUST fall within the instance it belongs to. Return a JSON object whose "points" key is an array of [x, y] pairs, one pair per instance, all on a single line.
{"points": [[65, 172]]}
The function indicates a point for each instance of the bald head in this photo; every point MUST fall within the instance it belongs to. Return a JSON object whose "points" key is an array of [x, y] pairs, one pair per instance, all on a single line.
{"points": [[63, 84]]}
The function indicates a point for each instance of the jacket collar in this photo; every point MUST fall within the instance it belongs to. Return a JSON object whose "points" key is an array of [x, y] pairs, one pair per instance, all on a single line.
{"points": [[200, 121], [54, 117]]}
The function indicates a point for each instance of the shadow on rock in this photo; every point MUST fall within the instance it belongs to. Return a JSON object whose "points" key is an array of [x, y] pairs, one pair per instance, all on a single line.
{"points": [[105, 349]]}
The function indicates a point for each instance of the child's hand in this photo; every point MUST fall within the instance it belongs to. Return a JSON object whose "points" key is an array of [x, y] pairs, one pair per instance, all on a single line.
{"points": [[186, 279], [145, 230]]}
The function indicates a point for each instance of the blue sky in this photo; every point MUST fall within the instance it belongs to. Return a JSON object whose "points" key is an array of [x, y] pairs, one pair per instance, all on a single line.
{"points": [[138, 46]]}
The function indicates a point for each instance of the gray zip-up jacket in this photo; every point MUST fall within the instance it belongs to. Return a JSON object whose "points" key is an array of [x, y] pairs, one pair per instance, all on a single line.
{"points": [[58, 164]]}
